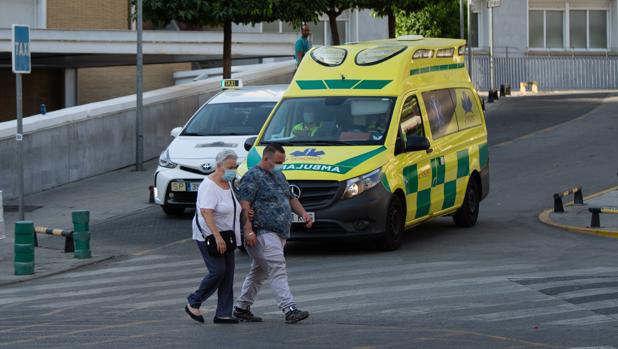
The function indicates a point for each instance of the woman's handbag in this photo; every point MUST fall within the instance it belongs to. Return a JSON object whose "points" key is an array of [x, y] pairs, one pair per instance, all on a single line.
{"points": [[229, 236]]}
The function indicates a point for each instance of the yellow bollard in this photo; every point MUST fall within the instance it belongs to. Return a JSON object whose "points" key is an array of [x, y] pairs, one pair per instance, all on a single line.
{"points": [[535, 87], [522, 88]]}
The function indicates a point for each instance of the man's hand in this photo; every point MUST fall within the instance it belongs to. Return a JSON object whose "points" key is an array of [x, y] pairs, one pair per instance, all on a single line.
{"points": [[308, 220], [250, 237]]}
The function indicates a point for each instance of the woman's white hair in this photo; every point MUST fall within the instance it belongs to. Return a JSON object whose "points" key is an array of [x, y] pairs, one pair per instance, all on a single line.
{"points": [[225, 155]]}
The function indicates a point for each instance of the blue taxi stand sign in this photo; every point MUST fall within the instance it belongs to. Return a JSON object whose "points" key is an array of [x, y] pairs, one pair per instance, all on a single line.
{"points": [[21, 49]]}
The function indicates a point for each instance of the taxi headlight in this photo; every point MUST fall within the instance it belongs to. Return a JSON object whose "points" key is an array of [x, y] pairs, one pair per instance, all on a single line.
{"points": [[362, 183], [165, 161]]}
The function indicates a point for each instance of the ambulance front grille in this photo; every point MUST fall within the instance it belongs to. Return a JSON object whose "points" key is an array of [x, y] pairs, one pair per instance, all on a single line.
{"points": [[317, 194]]}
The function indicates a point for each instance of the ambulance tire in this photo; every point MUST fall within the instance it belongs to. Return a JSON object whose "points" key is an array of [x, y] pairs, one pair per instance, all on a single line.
{"points": [[394, 228], [468, 213], [173, 211]]}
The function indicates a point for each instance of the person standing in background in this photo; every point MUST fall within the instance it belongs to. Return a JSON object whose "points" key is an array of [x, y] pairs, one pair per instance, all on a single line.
{"points": [[303, 45]]}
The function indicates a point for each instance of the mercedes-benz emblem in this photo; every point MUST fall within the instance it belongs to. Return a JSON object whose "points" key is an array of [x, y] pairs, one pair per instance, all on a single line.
{"points": [[206, 166], [295, 190]]}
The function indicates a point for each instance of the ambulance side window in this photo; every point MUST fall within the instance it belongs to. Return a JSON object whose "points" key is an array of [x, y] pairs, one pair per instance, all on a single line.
{"points": [[440, 113], [411, 123]]}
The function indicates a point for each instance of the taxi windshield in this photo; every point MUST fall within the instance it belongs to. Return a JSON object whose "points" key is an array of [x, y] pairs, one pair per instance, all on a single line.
{"points": [[229, 119], [330, 121]]}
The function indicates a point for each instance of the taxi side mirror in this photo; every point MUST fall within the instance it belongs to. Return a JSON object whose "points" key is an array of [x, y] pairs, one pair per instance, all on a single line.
{"points": [[249, 143], [175, 131], [416, 143]]}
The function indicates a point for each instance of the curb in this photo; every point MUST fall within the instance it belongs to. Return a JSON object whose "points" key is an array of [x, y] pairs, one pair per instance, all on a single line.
{"points": [[545, 218], [75, 267]]}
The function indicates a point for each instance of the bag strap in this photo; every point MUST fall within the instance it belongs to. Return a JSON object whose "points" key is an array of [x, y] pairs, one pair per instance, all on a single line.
{"points": [[233, 204]]}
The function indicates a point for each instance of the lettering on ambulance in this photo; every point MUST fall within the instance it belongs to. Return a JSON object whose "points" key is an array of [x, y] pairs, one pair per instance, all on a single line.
{"points": [[314, 167]]}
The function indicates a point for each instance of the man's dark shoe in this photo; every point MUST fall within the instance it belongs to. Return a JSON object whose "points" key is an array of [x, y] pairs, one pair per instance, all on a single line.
{"points": [[246, 315], [295, 315]]}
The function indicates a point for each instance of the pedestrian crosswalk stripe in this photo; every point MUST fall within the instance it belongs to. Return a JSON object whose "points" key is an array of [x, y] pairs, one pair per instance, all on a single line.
{"points": [[524, 313], [582, 321]]}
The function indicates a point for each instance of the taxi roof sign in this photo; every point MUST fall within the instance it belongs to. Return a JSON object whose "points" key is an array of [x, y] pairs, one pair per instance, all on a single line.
{"points": [[231, 83]]}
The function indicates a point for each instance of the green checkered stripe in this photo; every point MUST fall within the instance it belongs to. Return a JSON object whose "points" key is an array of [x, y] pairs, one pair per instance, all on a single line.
{"points": [[438, 175], [435, 68], [347, 84]]}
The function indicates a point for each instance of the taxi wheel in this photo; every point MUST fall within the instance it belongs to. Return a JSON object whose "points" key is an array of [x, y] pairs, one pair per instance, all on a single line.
{"points": [[468, 213], [173, 210], [394, 226]]}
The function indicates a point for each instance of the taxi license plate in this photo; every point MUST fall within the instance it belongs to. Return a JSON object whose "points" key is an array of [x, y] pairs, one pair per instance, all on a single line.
{"points": [[185, 186], [298, 219]]}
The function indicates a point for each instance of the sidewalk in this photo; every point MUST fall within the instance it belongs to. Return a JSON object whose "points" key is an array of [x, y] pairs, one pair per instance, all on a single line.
{"points": [[576, 218], [106, 196]]}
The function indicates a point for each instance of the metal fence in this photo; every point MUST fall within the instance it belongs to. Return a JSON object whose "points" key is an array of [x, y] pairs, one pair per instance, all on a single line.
{"points": [[552, 73]]}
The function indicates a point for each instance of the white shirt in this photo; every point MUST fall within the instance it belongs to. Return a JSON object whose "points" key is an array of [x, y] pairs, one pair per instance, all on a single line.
{"points": [[211, 196]]}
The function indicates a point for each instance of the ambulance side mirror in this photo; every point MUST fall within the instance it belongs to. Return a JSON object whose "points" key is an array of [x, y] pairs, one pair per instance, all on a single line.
{"points": [[249, 143], [416, 143]]}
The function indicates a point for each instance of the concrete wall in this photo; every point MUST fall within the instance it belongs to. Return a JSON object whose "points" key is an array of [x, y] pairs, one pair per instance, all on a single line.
{"points": [[98, 84], [18, 12], [370, 28], [510, 28], [87, 140], [88, 14]]}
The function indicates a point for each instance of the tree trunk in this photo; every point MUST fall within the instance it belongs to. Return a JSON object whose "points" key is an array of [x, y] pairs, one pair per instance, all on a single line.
{"points": [[334, 33], [227, 49], [392, 31]]}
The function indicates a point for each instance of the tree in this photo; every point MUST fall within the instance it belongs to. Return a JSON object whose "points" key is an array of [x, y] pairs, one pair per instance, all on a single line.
{"points": [[391, 8], [438, 18], [219, 13]]}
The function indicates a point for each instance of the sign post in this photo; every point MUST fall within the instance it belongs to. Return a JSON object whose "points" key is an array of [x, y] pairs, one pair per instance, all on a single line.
{"points": [[491, 4], [20, 57]]}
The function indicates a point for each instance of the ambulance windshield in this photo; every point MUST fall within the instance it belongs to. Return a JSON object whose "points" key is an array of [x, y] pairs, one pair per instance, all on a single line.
{"points": [[330, 121]]}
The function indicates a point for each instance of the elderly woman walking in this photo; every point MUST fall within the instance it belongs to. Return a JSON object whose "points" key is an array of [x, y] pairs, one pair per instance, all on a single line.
{"points": [[216, 230]]}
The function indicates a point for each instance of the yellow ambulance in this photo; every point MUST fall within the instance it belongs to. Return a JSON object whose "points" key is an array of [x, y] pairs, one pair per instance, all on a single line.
{"points": [[379, 137]]}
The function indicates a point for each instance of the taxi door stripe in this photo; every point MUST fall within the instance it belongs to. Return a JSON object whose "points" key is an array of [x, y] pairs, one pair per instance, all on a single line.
{"points": [[463, 163]]}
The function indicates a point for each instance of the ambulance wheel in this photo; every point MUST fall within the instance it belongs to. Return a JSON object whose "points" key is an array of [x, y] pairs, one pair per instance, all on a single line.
{"points": [[173, 210], [468, 213], [394, 226]]}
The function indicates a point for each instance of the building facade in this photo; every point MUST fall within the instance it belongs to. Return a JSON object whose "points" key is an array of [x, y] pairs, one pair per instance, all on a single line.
{"points": [[547, 27]]}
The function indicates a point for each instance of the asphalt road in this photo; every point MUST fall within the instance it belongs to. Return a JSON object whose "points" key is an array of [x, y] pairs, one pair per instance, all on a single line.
{"points": [[509, 282]]}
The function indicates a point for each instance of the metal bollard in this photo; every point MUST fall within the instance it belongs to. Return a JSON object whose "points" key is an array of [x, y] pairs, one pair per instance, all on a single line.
{"points": [[595, 220], [2, 225], [578, 197], [502, 90], [81, 234], [24, 248], [558, 207]]}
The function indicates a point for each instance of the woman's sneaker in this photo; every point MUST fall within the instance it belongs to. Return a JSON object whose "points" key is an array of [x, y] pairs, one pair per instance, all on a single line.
{"points": [[246, 315], [295, 315]]}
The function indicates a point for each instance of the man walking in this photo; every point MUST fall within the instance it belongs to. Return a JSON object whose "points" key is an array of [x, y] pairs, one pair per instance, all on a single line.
{"points": [[302, 44], [265, 190]]}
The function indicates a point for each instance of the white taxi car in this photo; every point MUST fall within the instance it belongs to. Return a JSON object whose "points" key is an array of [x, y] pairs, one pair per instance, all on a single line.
{"points": [[223, 122]]}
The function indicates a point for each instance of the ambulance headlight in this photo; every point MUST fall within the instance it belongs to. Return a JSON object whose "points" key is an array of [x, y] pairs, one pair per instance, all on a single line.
{"points": [[362, 183], [165, 161]]}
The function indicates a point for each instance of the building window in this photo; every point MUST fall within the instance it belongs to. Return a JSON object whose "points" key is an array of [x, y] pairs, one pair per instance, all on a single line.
{"points": [[554, 29], [588, 29], [597, 30], [546, 29]]}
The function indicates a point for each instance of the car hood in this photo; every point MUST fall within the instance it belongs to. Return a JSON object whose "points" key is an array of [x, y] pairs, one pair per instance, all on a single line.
{"points": [[201, 148]]}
